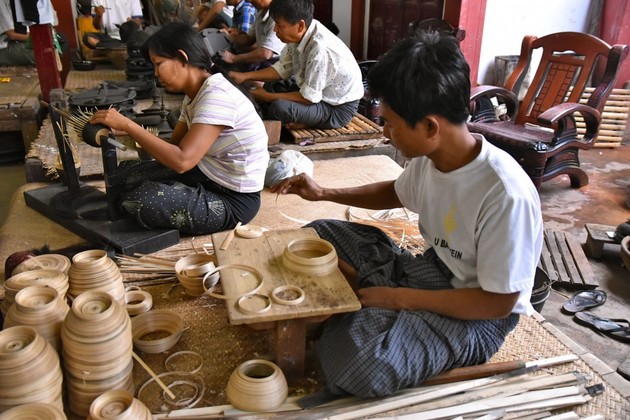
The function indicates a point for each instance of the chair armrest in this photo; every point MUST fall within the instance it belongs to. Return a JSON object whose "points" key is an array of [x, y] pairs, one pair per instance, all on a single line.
{"points": [[560, 118], [505, 96]]}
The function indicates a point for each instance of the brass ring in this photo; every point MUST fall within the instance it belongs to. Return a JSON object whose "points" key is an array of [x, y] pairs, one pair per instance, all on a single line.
{"points": [[288, 288]]}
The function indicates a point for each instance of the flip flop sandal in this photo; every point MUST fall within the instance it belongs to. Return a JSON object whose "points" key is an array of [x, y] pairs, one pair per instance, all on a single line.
{"points": [[584, 299], [608, 326], [621, 334]]}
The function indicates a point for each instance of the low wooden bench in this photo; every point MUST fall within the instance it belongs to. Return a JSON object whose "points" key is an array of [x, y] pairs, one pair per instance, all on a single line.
{"points": [[19, 103], [598, 236], [565, 262], [358, 129]]}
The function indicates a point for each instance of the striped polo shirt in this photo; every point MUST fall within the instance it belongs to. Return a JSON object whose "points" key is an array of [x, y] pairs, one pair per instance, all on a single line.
{"points": [[238, 158]]}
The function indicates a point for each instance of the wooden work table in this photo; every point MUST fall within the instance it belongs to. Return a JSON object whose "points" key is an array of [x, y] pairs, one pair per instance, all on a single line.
{"points": [[323, 295]]}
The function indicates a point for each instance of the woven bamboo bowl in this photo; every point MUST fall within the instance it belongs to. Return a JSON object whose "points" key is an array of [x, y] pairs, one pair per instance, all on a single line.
{"points": [[56, 279], [312, 256], [43, 309], [257, 385], [119, 405], [190, 271], [38, 411], [93, 270], [44, 262], [168, 324]]}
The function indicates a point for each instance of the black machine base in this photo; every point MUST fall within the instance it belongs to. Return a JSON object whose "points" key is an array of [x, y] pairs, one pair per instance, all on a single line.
{"points": [[123, 235]]}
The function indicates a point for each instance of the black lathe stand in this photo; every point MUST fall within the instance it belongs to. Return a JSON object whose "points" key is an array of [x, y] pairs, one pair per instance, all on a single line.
{"points": [[88, 212]]}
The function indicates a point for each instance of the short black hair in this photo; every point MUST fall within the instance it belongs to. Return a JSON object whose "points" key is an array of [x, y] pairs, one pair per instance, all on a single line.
{"points": [[292, 11], [423, 75]]}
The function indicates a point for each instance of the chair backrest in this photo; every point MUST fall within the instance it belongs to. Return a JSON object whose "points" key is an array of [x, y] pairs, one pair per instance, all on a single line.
{"points": [[566, 67]]}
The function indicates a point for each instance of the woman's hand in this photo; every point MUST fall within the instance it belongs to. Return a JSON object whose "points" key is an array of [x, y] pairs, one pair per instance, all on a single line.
{"points": [[301, 184], [111, 118]]}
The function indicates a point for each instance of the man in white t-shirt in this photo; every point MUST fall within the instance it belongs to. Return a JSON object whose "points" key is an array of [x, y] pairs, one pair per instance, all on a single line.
{"points": [[480, 217], [108, 16]]}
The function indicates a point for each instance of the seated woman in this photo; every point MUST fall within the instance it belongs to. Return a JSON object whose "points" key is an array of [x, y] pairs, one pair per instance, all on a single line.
{"points": [[210, 175]]}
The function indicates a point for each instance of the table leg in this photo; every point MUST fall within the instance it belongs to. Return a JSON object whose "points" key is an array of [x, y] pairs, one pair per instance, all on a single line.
{"points": [[291, 347]]}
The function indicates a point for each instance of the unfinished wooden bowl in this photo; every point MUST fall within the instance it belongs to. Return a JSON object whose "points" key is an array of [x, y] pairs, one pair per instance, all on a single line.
{"points": [[38, 411], [311, 256], [138, 301], [52, 278], [44, 262], [190, 271], [29, 369], [157, 331], [42, 308], [96, 348], [93, 270], [257, 385], [119, 405]]}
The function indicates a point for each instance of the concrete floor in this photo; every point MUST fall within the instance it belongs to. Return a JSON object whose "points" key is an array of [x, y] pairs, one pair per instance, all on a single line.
{"points": [[603, 201]]}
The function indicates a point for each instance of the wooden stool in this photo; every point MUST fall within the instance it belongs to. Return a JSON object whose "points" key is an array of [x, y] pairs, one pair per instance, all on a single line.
{"points": [[598, 235]]}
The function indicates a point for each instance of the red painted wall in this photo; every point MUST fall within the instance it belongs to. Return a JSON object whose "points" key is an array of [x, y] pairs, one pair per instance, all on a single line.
{"points": [[615, 29]]}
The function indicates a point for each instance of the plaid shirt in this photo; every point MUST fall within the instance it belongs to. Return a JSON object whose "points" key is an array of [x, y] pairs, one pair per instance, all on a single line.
{"points": [[244, 16]]}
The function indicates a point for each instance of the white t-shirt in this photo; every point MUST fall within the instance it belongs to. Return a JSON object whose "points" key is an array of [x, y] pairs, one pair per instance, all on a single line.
{"points": [[483, 220], [118, 12], [6, 22], [238, 158], [263, 31]]}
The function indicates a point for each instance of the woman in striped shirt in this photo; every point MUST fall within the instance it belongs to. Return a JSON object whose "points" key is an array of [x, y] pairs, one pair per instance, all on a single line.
{"points": [[209, 176]]}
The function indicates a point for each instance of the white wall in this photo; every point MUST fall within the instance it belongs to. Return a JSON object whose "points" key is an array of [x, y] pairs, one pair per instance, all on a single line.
{"points": [[508, 21], [342, 16]]}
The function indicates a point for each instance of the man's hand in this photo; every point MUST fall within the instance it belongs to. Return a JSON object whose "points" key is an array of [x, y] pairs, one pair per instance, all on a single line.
{"points": [[379, 297], [99, 10], [237, 76], [261, 95], [227, 56], [302, 185]]}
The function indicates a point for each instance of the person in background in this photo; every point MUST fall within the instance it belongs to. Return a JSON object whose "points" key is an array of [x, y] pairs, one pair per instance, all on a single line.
{"points": [[107, 18], [244, 17], [260, 47], [209, 176], [13, 43], [479, 214], [214, 14], [328, 83]]}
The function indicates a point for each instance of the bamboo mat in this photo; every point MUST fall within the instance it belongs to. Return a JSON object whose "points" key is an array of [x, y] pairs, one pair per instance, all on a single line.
{"points": [[223, 346], [358, 129], [613, 129], [81, 80]]}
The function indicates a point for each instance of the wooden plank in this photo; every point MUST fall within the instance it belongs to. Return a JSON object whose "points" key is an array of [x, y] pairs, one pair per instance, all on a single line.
{"points": [[547, 264], [556, 256], [574, 277], [583, 265]]}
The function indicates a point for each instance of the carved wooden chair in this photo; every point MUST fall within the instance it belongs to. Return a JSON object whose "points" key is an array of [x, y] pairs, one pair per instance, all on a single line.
{"points": [[541, 132]]}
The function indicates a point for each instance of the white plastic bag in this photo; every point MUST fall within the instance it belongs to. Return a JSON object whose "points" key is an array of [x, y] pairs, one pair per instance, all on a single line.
{"points": [[286, 164]]}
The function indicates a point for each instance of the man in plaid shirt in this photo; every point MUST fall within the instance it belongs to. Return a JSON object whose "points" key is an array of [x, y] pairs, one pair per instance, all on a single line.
{"points": [[244, 17]]}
